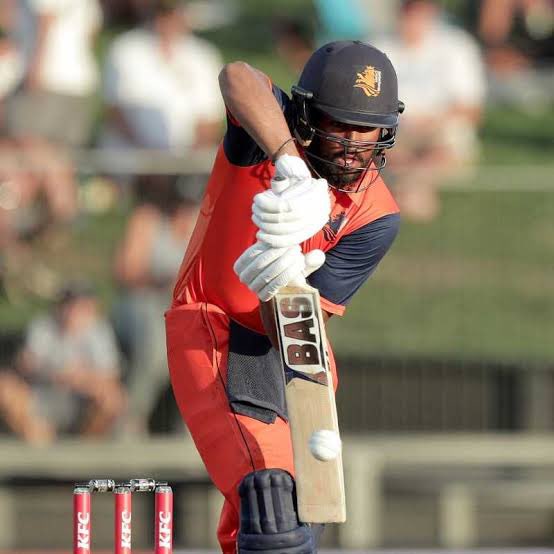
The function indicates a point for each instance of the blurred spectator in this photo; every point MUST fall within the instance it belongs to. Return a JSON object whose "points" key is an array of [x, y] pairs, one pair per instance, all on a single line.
{"points": [[516, 32], [11, 72], [518, 37], [355, 19], [342, 20], [119, 12], [202, 15], [11, 59], [66, 378], [161, 85], [61, 77], [441, 81], [294, 42], [146, 265], [56, 75], [37, 188], [382, 16], [37, 184]]}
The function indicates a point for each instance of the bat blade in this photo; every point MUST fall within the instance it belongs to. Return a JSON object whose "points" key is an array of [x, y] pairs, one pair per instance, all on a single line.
{"points": [[310, 402]]}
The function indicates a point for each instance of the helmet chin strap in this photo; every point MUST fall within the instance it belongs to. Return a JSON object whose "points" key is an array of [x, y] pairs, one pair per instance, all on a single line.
{"points": [[376, 162], [362, 170]]}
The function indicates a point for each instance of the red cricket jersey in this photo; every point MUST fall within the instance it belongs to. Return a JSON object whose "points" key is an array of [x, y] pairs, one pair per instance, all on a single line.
{"points": [[360, 230]]}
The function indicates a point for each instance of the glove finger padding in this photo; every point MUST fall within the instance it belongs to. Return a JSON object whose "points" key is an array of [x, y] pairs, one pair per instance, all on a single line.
{"points": [[313, 260], [291, 186], [311, 196], [295, 216], [273, 217], [310, 186], [291, 166], [264, 270], [247, 256], [281, 184], [255, 259], [268, 201], [284, 267], [271, 289], [279, 228], [308, 193], [283, 241]]}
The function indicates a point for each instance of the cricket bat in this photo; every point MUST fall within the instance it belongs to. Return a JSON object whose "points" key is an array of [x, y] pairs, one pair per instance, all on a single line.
{"points": [[310, 401]]}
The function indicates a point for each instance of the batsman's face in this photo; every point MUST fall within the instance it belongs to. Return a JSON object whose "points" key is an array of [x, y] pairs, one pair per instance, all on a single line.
{"points": [[349, 148]]}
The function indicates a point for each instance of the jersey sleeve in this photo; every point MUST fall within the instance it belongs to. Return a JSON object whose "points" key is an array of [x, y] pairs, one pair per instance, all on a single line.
{"points": [[352, 260], [239, 147]]}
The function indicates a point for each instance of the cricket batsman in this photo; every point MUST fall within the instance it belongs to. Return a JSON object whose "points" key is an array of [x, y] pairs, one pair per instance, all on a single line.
{"points": [[295, 191]]}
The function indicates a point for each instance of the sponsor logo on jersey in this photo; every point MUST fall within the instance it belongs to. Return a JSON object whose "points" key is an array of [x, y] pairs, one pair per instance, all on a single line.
{"points": [[333, 226]]}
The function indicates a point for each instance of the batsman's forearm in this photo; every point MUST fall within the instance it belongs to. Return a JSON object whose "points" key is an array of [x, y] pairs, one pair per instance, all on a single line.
{"points": [[248, 96]]}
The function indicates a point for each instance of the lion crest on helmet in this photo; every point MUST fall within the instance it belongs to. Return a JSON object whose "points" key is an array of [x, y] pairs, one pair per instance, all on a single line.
{"points": [[369, 81]]}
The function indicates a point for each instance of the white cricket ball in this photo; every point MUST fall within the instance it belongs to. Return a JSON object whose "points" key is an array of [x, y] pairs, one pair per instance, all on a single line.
{"points": [[325, 445]]}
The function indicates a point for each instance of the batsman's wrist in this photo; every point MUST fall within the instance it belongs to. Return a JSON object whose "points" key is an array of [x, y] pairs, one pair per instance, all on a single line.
{"points": [[291, 149], [287, 148]]}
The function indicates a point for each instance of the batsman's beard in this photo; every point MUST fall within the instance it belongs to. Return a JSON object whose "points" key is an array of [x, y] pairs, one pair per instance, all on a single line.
{"points": [[345, 170]]}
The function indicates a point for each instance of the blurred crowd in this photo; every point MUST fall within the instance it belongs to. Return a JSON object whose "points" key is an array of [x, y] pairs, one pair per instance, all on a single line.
{"points": [[81, 369], [71, 79]]}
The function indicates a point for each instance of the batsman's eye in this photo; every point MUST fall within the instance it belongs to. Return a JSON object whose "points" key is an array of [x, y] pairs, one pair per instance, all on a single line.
{"points": [[295, 307]]}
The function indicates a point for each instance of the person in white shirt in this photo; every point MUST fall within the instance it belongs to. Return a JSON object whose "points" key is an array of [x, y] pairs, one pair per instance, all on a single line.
{"points": [[66, 378], [441, 80], [37, 187], [161, 91], [11, 72], [161, 85], [146, 265], [61, 74]]}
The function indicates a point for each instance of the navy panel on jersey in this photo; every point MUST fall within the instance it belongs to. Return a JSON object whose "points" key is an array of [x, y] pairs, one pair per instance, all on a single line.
{"points": [[240, 148], [354, 258]]}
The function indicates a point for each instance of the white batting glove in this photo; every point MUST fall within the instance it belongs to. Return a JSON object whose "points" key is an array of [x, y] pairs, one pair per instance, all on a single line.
{"points": [[289, 170], [294, 215], [264, 270]]}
